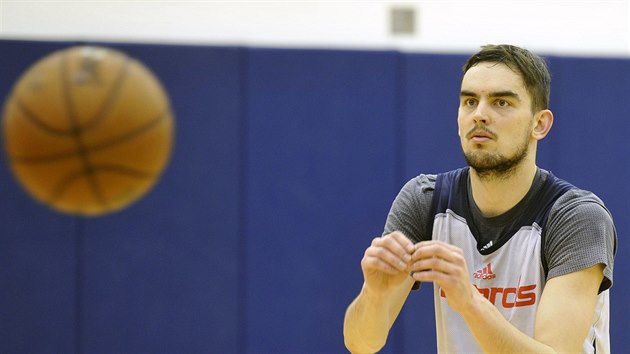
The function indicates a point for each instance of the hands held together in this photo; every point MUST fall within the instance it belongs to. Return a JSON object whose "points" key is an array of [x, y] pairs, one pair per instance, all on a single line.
{"points": [[392, 258]]}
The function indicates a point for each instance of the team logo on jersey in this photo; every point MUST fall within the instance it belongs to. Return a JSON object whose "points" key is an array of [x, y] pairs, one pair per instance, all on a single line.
{"points": [[485, 273], [507, 297]]}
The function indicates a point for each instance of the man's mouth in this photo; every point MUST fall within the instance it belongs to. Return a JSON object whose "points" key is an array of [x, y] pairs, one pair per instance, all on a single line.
{"points": [[480, 134]]}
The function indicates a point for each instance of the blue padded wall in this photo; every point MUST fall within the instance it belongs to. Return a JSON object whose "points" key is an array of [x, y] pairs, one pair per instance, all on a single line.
{"points": [[37, 247], [162, 276], [591, 149], [309, 216], [429, 107]]}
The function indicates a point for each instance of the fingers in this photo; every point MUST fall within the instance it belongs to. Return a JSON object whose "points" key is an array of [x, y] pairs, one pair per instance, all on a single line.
{"points": [[390, 253], [439, 249], [428, 261], [401, 239], [445, 266], [435, 260]]}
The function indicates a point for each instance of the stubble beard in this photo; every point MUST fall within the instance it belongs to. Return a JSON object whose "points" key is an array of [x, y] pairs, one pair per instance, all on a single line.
{"points": [[494, 166]]}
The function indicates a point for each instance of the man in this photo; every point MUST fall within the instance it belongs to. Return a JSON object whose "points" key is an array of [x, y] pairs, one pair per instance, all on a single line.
{"points": [[521, 261]]}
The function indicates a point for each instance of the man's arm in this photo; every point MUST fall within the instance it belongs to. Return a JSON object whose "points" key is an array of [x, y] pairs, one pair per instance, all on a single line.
{"points": [[370, 317], [566, 309], [563, 317], [387, 283]]}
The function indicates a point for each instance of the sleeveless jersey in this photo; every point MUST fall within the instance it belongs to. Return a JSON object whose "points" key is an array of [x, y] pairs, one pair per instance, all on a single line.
{"points": [[510, 273]]}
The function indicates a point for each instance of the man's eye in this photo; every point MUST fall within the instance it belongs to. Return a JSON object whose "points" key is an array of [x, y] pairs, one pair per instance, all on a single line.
{"points": [[470, 102], [502, 103]]}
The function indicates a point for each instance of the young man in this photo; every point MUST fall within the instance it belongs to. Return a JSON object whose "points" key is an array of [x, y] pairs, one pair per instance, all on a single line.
{"points": [[521, 261]]}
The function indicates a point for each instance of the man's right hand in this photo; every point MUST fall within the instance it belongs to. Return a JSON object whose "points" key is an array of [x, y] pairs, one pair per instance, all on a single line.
{"points": [[386, 262], [370, 316]]}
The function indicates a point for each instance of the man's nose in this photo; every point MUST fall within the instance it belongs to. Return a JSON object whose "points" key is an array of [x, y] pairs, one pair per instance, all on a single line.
{"points": [[481, 113]]}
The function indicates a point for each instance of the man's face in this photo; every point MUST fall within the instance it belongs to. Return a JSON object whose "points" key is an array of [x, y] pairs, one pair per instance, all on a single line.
{"points": [[495, 119]]}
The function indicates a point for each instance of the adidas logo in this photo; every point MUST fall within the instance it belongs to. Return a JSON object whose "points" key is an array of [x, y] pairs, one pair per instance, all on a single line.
{"points": [[485, 273], [488, 245]]}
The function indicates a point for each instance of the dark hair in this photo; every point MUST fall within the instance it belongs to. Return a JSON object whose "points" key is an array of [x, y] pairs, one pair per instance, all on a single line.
{"points": [[531, 67]]}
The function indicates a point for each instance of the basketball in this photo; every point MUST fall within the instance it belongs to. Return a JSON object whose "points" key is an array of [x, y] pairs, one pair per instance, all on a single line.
{"points": [[87, 130]]}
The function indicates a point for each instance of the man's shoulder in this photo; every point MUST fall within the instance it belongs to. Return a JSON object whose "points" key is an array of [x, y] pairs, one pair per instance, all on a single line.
{"points": [[577, 206], [569, 196], [421, 183], [429, 179], [574, 197], [578, 202]]}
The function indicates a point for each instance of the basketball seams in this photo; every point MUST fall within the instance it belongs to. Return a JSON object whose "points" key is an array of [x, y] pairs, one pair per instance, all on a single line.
{"points": [[110, 97], [130, 135], [81, 152], [66, 182], [89, 170], [36, 121], [32, 160], [153, 123]]}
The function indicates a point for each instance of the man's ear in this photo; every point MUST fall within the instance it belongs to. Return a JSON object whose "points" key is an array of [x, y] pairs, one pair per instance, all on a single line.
{"points": [[542, 124]]}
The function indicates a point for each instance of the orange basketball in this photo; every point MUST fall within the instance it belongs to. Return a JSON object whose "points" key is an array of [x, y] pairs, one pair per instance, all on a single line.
{"points": [[88, 130]]}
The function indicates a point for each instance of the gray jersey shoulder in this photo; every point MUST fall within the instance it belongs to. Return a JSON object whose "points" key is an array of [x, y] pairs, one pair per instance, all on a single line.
{"points": [[410, 210], [580, 233]]}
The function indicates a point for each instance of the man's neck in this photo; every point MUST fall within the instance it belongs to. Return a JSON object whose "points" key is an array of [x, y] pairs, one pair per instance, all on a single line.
{"points": [[495, 196]]}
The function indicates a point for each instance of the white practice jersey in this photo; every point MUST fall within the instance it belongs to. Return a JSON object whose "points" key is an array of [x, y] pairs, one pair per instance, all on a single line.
{"points": [[509, 270]]}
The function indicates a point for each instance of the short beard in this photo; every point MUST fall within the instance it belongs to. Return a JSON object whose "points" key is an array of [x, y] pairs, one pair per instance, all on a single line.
{"points": [[494, 166]]}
